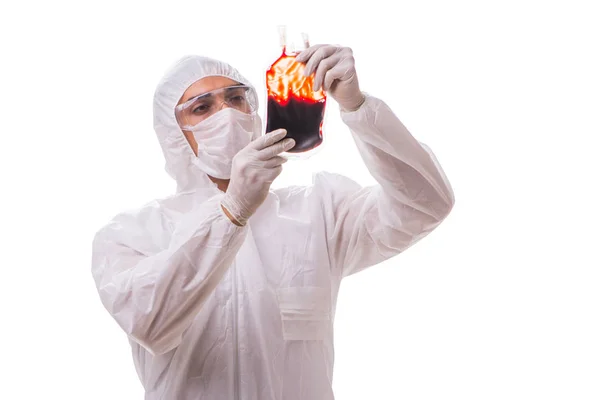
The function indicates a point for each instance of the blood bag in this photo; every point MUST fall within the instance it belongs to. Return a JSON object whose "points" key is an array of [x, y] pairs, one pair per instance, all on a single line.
{"points": [[293, 105]]}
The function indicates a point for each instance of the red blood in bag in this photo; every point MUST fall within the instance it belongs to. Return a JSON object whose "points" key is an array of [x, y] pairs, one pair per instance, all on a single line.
{"points": [[292, 104], [302, 120]]}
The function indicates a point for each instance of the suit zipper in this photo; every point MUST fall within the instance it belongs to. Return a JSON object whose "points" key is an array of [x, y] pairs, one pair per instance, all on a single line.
{"points": [[236, 370]]}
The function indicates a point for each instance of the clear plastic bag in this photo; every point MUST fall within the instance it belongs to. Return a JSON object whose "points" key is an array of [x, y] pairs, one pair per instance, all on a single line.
{"points": [[292, 104]]}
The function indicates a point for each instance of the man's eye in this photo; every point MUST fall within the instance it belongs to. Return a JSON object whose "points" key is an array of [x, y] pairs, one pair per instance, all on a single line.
{"points": [[237, 99], [201, 108]]}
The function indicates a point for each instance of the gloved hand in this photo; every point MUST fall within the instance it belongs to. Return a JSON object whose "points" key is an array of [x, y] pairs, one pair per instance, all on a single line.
{"points": [[253, 170], [335, 72]]}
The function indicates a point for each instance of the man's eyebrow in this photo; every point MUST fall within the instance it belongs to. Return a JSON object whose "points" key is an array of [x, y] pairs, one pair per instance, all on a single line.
{"points": [[235, 87], [208, 94]]}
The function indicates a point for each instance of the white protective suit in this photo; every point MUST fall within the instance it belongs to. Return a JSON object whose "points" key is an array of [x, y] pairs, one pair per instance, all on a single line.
{"points": [[217, 311]]}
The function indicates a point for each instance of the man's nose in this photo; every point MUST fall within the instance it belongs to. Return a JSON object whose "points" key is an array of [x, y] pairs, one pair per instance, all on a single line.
{"points": [[224, 105]]}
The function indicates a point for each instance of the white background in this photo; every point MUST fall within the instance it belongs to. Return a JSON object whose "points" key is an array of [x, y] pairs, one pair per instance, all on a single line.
{"points": [[502, 301]]}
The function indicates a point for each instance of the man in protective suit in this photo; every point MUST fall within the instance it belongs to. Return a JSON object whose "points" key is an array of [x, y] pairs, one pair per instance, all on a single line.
{"points": [[228, 288]]}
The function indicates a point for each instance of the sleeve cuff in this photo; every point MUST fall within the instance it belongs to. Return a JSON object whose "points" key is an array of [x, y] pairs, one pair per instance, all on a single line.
{"points": [[345, 111]]}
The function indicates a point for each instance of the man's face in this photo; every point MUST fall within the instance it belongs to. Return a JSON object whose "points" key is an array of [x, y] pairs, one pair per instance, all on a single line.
{"points": [[198, 88]]}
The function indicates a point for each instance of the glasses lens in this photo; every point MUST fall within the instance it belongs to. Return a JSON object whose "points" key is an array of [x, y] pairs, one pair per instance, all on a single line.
{"points": [[196, 110], [238, 98]]}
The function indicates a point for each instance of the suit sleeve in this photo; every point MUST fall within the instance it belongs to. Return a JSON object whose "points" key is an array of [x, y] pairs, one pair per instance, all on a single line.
{"points": [[154, 297]]}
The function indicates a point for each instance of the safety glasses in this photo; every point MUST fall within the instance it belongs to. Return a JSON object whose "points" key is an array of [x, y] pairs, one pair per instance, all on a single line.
{"points": [[241, 97]]}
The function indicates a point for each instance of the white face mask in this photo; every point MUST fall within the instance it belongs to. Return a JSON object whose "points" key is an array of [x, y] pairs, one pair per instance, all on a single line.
{"points": [[221, 136]]}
